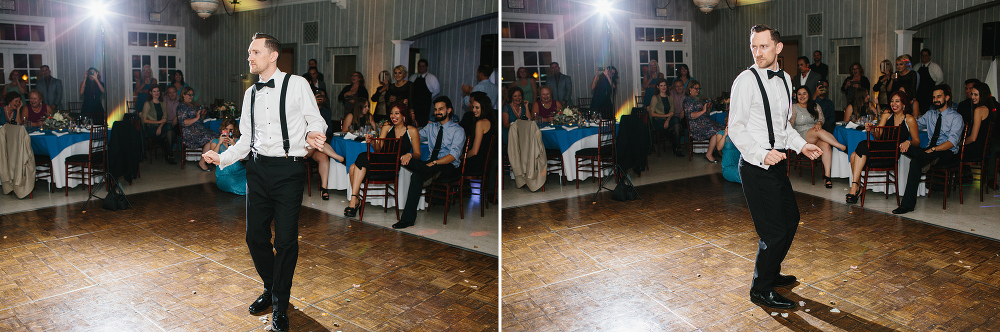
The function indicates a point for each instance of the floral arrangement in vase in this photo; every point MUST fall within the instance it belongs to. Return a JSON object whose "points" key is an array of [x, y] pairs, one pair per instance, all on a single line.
{"points": [[57, 121], [568, 116], [226, 110]]}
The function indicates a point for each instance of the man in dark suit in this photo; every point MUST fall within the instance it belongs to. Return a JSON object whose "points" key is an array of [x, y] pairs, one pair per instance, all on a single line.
{"points": [[806, 76]]}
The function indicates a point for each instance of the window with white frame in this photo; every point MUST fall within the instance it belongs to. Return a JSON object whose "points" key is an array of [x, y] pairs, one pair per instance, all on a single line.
{"points": [[666, 42], [532, 41], [159, 47], [25, 45]]}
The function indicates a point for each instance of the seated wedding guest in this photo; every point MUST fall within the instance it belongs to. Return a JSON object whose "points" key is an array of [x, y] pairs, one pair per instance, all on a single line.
{"points": [[447, 140], [730, 156], [170, 100], [546, 107], [965, 107], [945, 126], [11, 108], [400, 126], [154, 120], [178, 83], [196, 135], [517, 109], [232, 179], [142, 86], [862, 101], [883, 84], [664, 116], [857, 81], [469, 121], [17, 84], [381, 96], [700, 126], [807, 119], [354, 91], [483, 132], [35, 111], [359, 116], [91, 90], [899, 116], [982, 120]]}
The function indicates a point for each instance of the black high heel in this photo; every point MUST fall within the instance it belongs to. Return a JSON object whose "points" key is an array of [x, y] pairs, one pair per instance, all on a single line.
{"points": [[326, 194], [829, 181], [352, 211], [853, 198]]}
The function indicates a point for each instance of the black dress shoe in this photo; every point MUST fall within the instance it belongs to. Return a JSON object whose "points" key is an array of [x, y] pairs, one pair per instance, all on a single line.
{"points": [[261, 304], [771, 299], [402, 224], [782, 281], [279, 322], [902, 210]]}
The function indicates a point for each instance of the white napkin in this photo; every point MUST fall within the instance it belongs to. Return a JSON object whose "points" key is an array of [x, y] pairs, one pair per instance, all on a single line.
{"points": [[350, 136], [37, 133], [59, 133], [84, 130], [209, 119], [714, 112], [851, 125], [547, 128], [569, 128]]}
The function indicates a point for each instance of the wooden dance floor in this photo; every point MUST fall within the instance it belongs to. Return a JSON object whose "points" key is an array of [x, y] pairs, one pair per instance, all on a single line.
{"points": [[682, 259], [179, 262]]}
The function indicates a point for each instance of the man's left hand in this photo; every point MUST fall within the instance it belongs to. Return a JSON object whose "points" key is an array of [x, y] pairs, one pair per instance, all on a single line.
{"points": [[812, 151], [316, 139]]}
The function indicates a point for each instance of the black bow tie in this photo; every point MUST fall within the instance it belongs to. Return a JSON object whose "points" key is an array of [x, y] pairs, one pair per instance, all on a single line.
{"points": [[259, 85], [770, 74]]}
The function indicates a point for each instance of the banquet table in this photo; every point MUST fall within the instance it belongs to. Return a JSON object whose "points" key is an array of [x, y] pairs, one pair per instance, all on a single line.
{"points": [[58, 147], [841, 166], [350, 149], [569, 142]]}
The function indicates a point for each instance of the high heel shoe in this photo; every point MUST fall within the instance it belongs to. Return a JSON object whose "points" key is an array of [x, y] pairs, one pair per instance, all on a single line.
{"points": [[352, 211], [326, 194], [853, 198], [829, 181]]}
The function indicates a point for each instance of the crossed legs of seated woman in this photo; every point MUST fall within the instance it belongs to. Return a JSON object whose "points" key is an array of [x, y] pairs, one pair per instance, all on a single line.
{"points": [[322, 157], [400, 125]]}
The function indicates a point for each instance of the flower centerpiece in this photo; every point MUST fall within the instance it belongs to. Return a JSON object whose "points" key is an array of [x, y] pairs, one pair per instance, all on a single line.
{"points": [[568, 116], [56, 121], [226, 110]]}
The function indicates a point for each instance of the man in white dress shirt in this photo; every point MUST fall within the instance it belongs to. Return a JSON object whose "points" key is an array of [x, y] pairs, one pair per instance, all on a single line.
{"points": [[758, 126], [280, 136]]}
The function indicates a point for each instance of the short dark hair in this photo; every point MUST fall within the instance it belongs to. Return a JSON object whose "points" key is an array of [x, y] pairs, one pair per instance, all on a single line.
{"points": [[553, 63], [818, 51], [972, 81], [823, 80], [775, 35], [802, 58], [659, 80], [313, 60], [926, 50], [44, 66], [946, 89], [485, 69], [443, 99], [10, 96], [423, 61], [272, 44]]}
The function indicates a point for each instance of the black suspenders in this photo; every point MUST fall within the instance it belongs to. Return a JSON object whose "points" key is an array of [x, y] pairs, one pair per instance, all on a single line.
{"points": [[767, 104], [284, 124]]}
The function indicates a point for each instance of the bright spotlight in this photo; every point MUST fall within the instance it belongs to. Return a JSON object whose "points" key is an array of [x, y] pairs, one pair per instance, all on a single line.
{"points": [[603, 6], [98, 8]]}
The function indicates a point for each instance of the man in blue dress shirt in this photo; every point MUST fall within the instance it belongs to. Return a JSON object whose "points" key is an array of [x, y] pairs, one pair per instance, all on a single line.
{"points": [[945, 129]]}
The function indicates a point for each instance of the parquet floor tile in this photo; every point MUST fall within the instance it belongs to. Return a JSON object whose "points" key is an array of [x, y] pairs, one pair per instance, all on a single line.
{"points": [[682, 258]]}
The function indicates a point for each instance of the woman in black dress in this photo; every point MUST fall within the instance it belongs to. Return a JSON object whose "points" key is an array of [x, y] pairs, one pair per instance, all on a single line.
{"points": [[898, 116], [401, 91], [352, 92], [603, 88], [400, 125], [91, 90], [484, 131]]}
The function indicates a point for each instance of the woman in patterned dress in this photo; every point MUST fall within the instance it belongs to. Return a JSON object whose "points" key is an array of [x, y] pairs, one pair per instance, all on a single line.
{"points": [[700, 125], [196, 135]]}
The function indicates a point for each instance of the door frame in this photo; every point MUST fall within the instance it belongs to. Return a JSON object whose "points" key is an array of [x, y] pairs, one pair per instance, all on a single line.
{"points": [[684, 45]]}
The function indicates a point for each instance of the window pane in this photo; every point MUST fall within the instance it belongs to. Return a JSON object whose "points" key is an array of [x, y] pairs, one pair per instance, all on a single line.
{"points": [[670, 70], [505, 30], [507, 74], [171, 62], [35, 60], [668, 56], [153, 41], [23, 32], [173, 40], [163, 61], [344, 66], [649, 34], [530, 59], [133, 39], [164, 39], [163, 75], [142, 39], [517, 30], [640, 34], [543, 74], [659, 35], [146, 60], [654, 55], [136, 61], [679, 35], [643, 56], [7, 31], [531, 30], [546, 30], [678, 56], [544, 58], [507, 58], [37, 33], [33, 76], [20, 61]]}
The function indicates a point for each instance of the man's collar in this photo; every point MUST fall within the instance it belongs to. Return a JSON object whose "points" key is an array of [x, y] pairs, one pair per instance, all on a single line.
{"points": [[276, 74]]}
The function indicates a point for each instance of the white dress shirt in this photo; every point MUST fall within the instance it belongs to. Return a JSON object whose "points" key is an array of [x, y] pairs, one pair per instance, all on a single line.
{"points": [[431, 81], [301, 114], [747, 121]]}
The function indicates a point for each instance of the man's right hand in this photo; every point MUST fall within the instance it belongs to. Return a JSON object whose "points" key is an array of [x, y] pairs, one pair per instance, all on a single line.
{"points": [[211, 157], [774, 157]]}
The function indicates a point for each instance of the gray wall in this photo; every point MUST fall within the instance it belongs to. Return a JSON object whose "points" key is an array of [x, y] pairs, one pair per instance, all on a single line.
{"points": [[720, 49], [453, 56], [216, 47], [955, 46]]}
